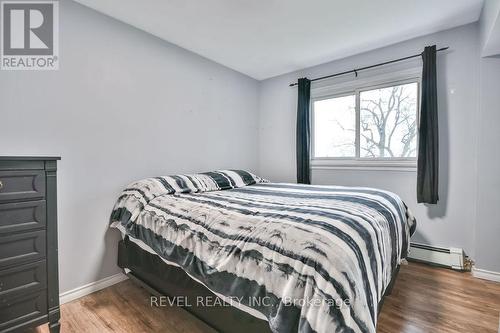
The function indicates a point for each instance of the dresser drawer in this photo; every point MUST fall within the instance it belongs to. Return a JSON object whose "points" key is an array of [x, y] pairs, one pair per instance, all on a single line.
{"points": [[22, 248], [22, 216], [23, 279], [26, 184], [22, 308]]}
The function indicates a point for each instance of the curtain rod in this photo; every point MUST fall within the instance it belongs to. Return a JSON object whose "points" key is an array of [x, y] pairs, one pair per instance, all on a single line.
{"points": [[356, 70]]}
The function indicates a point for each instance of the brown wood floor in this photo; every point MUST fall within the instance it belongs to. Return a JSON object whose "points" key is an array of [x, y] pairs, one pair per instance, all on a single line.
{"points": [[424, 299]]}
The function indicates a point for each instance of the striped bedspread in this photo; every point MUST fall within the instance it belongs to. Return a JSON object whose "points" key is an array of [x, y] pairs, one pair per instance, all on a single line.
{"points": [[305, 258]]}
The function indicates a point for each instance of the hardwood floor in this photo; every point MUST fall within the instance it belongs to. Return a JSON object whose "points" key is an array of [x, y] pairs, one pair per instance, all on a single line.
{"points": [[430, 299], [424, 299]]}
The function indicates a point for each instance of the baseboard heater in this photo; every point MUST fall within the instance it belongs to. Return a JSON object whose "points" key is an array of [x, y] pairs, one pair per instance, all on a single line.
{"points": [[453, 258]]}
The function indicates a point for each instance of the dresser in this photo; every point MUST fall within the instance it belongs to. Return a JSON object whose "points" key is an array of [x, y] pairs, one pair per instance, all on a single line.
{"points": [[29, 287]]}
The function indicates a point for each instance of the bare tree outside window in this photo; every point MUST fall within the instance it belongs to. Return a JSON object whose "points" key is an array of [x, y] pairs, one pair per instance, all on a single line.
{"points": [[387, 124], [388, 121]]}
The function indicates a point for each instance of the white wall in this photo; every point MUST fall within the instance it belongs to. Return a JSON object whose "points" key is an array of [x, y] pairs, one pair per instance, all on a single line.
{"points": [[487, 254], [451, 222], [488, 171], [124, 105]]}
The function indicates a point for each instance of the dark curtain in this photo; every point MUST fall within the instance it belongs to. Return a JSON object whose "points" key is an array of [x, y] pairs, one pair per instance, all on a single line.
{"points": [[428, 144], [303, 132]]}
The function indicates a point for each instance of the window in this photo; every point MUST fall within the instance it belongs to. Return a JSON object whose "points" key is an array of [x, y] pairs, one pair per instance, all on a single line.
{"points": [[375, 123]]}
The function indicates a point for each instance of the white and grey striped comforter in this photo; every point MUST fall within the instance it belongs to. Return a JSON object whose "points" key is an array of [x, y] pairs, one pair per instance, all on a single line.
{"points": [[318, 257]]}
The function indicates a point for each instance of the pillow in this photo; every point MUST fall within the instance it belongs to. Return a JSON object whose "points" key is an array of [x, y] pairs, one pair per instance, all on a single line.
{"points": [[208, 181], [141, 192], [199, 182]]}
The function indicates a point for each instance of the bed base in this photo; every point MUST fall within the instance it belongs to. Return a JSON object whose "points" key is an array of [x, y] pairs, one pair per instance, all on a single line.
{"points": [[150, 272], [160, 279]]}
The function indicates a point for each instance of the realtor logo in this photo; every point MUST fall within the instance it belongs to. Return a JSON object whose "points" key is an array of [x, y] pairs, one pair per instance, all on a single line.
{"points": [[30, 35]]}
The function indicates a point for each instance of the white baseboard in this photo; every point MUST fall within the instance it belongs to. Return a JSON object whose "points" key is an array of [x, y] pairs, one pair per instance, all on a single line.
{"points": [[84, 290], [486, 275]]}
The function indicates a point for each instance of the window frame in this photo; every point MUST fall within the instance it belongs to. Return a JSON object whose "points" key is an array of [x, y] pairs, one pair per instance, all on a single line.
{"points": [[329, 90]]}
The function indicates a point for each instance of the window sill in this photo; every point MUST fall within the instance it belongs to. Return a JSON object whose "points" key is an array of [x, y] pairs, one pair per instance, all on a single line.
{"points": [[364, 165]]}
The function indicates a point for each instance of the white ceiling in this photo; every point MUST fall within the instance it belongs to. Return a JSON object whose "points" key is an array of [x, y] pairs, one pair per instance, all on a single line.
{"points": [[265, 38]]}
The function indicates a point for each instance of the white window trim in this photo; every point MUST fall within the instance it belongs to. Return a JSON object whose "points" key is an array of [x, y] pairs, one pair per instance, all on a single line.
{"points": [[331, 89]]}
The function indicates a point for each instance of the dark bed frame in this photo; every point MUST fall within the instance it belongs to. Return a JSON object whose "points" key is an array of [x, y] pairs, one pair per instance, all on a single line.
{"points": [[152, 273]]}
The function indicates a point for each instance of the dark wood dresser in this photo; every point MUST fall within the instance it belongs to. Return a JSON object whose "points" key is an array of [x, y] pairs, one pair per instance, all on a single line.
{"points": [[29, 284]]}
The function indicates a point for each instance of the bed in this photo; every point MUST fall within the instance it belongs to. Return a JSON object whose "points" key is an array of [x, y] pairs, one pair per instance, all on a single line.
{"points": [[282, 257]]}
